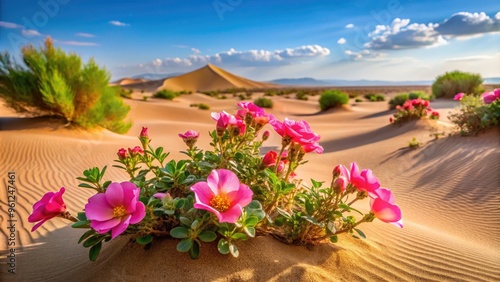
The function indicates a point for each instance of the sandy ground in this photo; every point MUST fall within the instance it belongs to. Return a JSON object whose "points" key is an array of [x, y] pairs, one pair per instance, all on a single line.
{"points": [[448, 189]]}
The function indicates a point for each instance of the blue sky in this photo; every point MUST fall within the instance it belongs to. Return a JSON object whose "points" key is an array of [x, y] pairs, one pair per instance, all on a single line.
{"points": [[264, 40]]}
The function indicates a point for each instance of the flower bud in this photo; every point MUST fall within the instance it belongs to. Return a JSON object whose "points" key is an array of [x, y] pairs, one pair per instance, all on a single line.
{"points": [[144, 138], [340, 184], [190, 137], [122, 154], [135, 151], [265, 135]]}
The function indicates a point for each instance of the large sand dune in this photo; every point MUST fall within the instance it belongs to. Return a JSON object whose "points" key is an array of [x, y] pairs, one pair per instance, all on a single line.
{"points": [[449, 191], [209, 78]]}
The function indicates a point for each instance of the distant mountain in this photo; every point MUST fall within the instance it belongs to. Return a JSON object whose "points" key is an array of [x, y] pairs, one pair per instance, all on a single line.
{"points": [[156, 76], [307, 81], [492, 80]]}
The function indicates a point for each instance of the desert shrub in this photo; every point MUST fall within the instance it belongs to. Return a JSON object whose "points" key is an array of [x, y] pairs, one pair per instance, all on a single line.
{"points": [[242, 97], [374, 97], [201, 106], [451, 83], [124, 93], [56, 83], [358, 100], [145, 98], [413, 109], [414, 143], [264, 103], [332, 99], [166, 94], [301, 95], [474, 116], [400, 99], [270, 93]]}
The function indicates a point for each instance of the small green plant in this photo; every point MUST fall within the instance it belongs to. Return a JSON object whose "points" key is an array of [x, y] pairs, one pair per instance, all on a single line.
{"points": [[264, 103], [145, 98], [302, 95], [474, 116], [375, 97], [451, 83], [358, 100], [332, 99], [201, 106], [166, 94], [414, 143], [125, 93]]}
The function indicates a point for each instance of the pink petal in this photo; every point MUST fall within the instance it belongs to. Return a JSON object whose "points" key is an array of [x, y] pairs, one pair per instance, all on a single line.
{"points": [[202, 206], [44, 200], [398, 223], [213, 182], [231, 215], [139, 213], [202, 192], [130, 192], [104, 226], [114, 194], [228, 181], [242, 197], [385, 194], [160, 195], [385, 211], [121, 227], [39, 224], [98, 208]]}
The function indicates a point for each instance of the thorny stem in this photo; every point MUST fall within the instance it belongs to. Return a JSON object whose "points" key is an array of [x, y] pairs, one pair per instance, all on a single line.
{"points": [[278, 159]]}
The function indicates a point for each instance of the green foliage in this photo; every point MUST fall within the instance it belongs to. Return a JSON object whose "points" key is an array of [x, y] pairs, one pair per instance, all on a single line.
{"points": [[201, 106], [302, 95], [451, 83], [375, 97], [414, 143], [332, 99], [53, 82], [166, 94], [474, 116], [264, 103], [358, 100]]}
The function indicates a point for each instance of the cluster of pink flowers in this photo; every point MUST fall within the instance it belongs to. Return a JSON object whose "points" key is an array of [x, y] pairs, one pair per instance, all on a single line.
{"points": [[415, 108], [492, 96], [131, 152], [298, 132], [382, 202]]}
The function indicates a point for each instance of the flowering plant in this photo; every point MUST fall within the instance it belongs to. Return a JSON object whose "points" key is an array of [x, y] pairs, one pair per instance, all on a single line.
{"points": [[229, 194], [413, 109]]}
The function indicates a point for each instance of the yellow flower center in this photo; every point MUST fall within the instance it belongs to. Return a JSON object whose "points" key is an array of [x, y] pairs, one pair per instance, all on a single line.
{"points": [[220, 203], [118, 211]]}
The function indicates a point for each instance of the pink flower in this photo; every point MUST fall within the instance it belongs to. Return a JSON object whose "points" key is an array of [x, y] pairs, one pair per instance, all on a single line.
{"points": [[225, 120], [222, 195], [50, 206], [459, 96], [383, 207], [490, 97], [435, 115], [115, 209], [269, 159], [144, 132], [122, 154], [190, 137], [135, 151], [364, 180], [249, 107], [299, 132], [426, 103]]}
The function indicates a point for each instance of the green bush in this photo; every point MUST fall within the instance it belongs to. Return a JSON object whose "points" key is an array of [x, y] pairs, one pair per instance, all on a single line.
{"points": [[264, 103], [451, 83], [166, 94], [358, 100], [56, 83], [201, 106], [400, 99], [332, 99], [474, 116], [301, 95], [375, 97]]}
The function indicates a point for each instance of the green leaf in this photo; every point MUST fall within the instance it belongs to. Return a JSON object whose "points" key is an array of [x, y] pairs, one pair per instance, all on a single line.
{"points": [[94, 251], [207, 236], [144, 240], [234, 250], [334, 239], [251, 221], [86, 235], [194, 252], [179, 232], [250, 231], [106, 184], [85, 185], [360, 233], [81, 224], [194, 225], [309, 207], [185, 221], [93, 240], [239, 236], [316, 184], [81, 216], [255, 205], [180, 204], [184, 245], [223, 246], [284, 213]]}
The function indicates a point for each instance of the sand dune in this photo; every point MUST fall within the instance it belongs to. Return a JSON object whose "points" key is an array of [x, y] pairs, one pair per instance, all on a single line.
{"points": [[448, 190], [210, 78], [128, 81]]}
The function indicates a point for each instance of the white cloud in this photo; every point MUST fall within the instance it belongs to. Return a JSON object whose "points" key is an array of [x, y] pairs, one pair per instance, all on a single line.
{"points": [[118, 23], [76, 43], [363, 54], [468, 58], [10, 25], [349, 25], [157, 62], [30, 32], [83, 34], [341, 40], [465, 23], [195, 51]]}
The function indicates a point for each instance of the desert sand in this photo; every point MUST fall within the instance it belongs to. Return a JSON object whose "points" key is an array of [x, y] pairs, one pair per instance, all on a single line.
{"points": [[448, 190]]}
